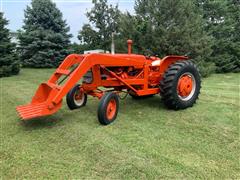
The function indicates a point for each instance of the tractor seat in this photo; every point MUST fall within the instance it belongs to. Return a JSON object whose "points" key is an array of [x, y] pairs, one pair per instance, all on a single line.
{"points": [[156, 63]]}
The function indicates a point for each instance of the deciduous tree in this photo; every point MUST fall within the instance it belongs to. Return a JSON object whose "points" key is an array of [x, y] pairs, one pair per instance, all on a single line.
{"points": [[173, 27], [104, 20]]}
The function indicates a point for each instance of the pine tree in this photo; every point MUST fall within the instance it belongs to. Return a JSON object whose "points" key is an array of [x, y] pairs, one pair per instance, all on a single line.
{"points": [[222, 19], [173, 27], [9, 62], [44, 41]]}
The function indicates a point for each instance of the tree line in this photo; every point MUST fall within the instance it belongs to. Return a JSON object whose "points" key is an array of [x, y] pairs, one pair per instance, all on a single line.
{"points": [[207, 31]]}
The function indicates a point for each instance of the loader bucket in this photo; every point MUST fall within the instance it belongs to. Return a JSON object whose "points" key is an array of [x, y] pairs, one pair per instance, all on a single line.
{"points": [[41, 104], [48, 97]]}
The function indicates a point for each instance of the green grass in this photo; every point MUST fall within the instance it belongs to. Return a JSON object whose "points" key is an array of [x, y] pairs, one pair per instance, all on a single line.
{"points": [[147, 141]]}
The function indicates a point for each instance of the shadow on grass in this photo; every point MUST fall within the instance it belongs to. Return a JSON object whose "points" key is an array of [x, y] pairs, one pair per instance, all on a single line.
{"points": [[58, 119], [152, 102], [42, 122]]}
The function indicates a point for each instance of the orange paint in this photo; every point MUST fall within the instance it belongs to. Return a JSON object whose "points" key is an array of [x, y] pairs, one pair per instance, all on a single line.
{"points": [[111, 109], [119, 71], [185, 85]]}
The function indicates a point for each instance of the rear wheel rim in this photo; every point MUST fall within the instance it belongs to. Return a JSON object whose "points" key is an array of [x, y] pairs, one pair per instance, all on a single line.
{"points": [[111, 109], [186, 86], [78, 97]]}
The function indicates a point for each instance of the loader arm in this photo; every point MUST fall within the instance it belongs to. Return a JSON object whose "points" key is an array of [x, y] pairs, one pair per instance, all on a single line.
{"points": [[87, 62], [48, 98]]}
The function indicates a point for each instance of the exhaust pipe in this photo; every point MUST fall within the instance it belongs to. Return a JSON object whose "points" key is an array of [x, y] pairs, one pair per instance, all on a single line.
{"points": [[113, 44]]}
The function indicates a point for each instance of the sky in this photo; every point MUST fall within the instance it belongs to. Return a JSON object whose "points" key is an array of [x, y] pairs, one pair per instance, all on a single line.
{"points": [[73, 12]]}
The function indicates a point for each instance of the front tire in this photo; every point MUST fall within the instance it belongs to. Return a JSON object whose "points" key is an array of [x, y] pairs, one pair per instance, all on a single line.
{"points": [[180, 86], [108, 108], [76, 98]]}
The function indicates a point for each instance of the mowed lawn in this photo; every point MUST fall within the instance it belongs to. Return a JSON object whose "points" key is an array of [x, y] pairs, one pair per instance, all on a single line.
{"points": [[147, 141]]}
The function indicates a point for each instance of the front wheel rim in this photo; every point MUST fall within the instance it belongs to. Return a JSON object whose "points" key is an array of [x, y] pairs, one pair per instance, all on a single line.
{"points": [[111, 109], [79, 97], [186, 86]]}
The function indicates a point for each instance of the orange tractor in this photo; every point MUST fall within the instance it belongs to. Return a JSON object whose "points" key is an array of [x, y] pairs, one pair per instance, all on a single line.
{"points": [[106, 75]]}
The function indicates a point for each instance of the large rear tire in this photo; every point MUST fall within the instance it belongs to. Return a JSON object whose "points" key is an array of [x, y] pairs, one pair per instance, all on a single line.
{"points": [[180, 86]]}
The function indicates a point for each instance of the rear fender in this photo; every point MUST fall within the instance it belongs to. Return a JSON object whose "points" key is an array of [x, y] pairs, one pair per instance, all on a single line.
{"points": [[168, 60]]}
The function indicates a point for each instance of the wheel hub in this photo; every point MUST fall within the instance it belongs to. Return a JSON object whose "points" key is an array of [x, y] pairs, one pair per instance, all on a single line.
{"points": [[111, 109], [186, 86], [79, 97]]}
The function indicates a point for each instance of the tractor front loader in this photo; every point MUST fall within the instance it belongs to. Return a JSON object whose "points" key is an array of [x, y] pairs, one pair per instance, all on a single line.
{"points": [[106, 75]]}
